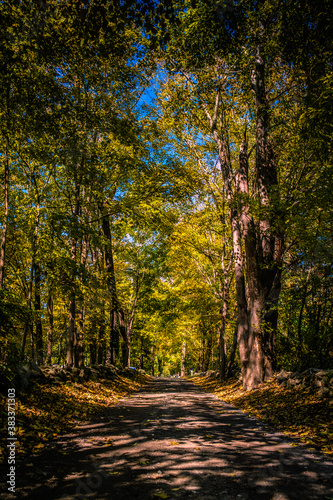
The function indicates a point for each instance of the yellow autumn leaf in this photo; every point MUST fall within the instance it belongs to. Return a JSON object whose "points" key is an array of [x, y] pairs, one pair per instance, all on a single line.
{"points": [[161, 495]]}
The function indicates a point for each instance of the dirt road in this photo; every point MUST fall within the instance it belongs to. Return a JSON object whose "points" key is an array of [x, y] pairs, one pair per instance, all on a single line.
{"points": [[172, 440]]}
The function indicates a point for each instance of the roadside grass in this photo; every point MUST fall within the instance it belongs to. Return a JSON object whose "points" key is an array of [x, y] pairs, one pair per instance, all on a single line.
{"points": [[47, 411], [297, 412]]}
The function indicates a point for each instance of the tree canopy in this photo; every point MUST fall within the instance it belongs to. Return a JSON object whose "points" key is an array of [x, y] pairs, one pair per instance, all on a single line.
{"points": [[166, 185]]}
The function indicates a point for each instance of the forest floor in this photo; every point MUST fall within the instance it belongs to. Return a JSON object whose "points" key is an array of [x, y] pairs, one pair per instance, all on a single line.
{"points": [[171, 439], [45, 411]]}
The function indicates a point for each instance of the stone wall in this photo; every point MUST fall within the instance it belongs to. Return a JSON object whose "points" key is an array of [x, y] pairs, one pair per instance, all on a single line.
{"points": [[314, 378], [320, 380], [30, 373]]}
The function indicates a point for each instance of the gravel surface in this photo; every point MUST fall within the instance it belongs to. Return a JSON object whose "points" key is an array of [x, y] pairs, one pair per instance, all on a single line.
{"points": [[173, 440]]}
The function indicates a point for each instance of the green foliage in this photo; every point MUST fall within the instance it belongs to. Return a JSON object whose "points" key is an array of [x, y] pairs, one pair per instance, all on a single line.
{"points": [[86, 140]]}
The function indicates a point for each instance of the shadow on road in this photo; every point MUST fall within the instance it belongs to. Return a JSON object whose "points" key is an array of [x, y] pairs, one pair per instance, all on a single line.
{"points": [[172, 440]]}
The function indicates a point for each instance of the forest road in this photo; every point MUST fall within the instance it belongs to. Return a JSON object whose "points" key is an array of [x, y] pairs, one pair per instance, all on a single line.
{"points": [[173, 440]]}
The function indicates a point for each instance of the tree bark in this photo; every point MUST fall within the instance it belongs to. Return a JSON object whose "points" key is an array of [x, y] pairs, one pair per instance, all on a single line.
{"points": [[222, 354], [72, 308], [78, 348], [142, 354], [263, 245], [183, 360], [50, 329], [152, 360], [226, 171], [113, 347], [232, 355], [101, 339], [125, 332], [34, 276], [72, 298], [38, 320], [5, 218]]}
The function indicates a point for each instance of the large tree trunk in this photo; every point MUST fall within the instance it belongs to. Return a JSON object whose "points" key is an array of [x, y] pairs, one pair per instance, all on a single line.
{"points": [[263, 245]]}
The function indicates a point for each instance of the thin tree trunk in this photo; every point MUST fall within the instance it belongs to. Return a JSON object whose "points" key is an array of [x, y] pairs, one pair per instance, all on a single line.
{"points": [[113, 347], [78, 348], [125, 331], [60, 348], [79, 351], [208, 353], [232, 354], [160, 366], [5, 219], [183, 360], [72, 298], [225, 165], [224, 313], [300, 317], [142, 355], [72, 308], [34, 270], [152, 360], [221, 350], [93, 353], [38, 321], [101, 340], [50, 329]]}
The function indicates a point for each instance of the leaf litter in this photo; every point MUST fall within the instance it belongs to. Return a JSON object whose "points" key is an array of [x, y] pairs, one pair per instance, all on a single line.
{"points": [[47, 411]]}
